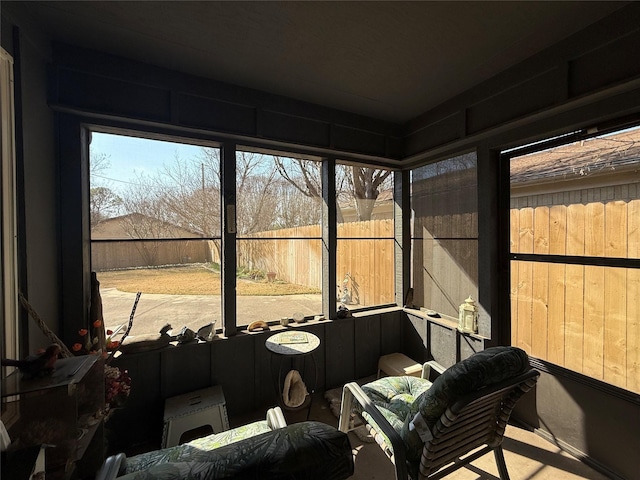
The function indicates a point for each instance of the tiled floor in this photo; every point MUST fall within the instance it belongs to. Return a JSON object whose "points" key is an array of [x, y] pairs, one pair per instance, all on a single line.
{"points": [[527, 455]]}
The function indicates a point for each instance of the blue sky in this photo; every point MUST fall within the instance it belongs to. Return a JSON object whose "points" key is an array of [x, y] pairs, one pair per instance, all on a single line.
{"points": [[131, 156]]}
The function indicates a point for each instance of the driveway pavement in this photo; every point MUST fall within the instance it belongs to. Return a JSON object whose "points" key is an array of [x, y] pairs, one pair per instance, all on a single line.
{"points": [[195, 311]]}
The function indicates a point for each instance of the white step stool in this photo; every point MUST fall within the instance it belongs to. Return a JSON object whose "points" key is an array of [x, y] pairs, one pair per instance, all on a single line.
{"points": [[192, 410], [398, 364]]}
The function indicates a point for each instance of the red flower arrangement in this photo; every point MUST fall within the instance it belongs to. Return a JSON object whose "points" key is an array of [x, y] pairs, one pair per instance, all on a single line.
{"points": [[117, 386], [117, 382]]}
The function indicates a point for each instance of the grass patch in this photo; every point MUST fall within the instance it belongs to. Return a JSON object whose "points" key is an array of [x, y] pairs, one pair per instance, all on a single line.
{"points": [[192, 280]]}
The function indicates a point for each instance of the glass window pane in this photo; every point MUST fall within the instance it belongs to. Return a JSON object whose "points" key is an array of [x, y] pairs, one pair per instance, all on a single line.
{"points": [[365, 265], [581, 317], [444, 205], [364, 198], [155, 228], [366, 272], [279, 248], [579, 199]]}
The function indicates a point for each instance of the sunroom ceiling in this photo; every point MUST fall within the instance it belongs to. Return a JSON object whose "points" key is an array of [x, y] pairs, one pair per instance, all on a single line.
{"points": [[387, 60]]}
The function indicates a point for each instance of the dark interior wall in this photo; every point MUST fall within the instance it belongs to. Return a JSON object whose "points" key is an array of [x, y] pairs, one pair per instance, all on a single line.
{"points": [[36, 172], [590, 419], [596, 63], [589, 79], [349, 349]]}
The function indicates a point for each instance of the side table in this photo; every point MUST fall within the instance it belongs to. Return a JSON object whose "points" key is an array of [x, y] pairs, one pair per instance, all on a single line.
{"points": [[292, 348]]}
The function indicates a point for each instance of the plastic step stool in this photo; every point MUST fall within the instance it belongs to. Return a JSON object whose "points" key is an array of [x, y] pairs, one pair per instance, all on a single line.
{"points": [[398, 364]]}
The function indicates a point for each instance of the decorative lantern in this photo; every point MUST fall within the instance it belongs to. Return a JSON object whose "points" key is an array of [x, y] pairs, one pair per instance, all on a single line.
{"points": [[468, 316]]}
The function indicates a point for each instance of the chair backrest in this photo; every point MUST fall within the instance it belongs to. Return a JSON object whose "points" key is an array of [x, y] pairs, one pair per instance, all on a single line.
{"points": [[473, 420]]}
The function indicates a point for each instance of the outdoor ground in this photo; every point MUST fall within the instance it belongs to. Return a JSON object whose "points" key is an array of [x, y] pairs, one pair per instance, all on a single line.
{"points": [[197, 279], [190, 297]]}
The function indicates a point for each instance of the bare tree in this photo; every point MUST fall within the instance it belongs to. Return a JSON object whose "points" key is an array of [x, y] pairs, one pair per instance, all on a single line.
{"points": [[360, 185], [365, 187], [104, 203]]}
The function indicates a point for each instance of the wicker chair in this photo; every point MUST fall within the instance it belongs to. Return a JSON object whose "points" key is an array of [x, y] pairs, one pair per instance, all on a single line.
{"points": [[450, 423]]}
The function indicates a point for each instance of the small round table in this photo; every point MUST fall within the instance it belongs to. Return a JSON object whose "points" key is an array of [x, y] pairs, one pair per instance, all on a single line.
{"points": [[291, 345]]}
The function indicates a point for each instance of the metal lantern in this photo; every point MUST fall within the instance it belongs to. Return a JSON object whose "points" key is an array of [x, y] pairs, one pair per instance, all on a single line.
{"points": [[468, 316]]}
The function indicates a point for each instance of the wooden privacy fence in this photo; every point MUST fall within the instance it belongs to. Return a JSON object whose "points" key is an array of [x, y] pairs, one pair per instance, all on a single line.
{"points": [[365, 257], [150, 253], [585, 318]]}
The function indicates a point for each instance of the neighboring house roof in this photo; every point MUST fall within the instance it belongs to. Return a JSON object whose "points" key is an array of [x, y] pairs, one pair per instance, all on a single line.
{"points": [[116, 228], [618, 153]]}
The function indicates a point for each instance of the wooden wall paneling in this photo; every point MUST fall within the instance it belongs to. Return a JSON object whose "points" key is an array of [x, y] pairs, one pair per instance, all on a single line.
{"points": [[582, 427], [516, 100], [339, 351], [468, 345], [185, 368], [266, 368], [586, 73], [415, 338], [94, 81], [105, 95], [210, 113], [233, 367], [316, 370], [141, 420], [367, 345], [391, 332], [443, 342]]}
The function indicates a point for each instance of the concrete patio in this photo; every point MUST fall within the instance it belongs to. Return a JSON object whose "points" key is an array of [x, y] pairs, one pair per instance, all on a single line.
{"points": [[527, 455]]}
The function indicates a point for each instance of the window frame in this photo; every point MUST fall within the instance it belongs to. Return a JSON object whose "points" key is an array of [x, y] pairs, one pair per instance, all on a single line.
{"points": [[9, 279], [505, 158], [228, 149]]}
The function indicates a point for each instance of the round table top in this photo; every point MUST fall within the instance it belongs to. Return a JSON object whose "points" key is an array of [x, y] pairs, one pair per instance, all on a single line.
{"points": [[291, 342]]}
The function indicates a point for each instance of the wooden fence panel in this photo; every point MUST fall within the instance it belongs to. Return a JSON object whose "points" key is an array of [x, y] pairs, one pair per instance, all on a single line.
{"points": [[574, 288], [633, 299], [365, 256], [590, 317], [540, 284], [615, 347], [515, 272], [525, 278]]}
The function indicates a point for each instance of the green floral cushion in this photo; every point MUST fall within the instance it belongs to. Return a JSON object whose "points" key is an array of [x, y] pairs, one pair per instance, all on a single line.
{"points": [[306, 450], [393, 396], [186, 451], [481, 369]]}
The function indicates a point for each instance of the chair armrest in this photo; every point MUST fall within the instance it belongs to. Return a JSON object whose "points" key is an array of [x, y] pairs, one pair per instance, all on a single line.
{"points": [[111, 467], [275, 418], [431, 364], [352, 390]]}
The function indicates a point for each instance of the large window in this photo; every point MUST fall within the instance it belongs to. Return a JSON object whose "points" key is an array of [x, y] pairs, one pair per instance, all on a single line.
{"points": [[279, 248], [575, 249], [155, 229], [365, 265], [444, 233], [155, 209]]}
